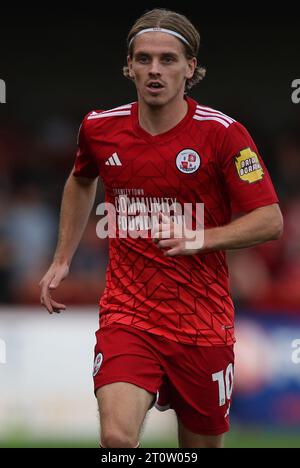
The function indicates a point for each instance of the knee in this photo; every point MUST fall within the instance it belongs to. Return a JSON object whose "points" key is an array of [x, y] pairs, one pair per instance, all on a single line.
{"points": [[213, 444], [117, 439]]}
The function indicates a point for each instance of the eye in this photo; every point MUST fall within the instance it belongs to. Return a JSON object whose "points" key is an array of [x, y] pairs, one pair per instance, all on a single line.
{"points": [[168, 59], [142, 59]]}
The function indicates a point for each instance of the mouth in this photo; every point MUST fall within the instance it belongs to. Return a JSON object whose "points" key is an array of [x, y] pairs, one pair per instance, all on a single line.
{"points": [[154, 87]]}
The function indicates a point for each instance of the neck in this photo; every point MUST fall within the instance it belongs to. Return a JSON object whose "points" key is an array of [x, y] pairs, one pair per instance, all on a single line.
{"points": [[160, 119]]}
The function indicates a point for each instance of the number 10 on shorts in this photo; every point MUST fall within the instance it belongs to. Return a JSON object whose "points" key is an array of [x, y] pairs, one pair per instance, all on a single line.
{"points": [[225, 381]]}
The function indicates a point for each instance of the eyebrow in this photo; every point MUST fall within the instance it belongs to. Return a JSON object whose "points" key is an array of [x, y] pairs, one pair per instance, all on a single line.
{"points": [[163, 54]]}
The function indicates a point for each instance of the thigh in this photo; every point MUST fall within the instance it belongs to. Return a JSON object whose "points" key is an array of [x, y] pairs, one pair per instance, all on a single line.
{"points": [[188, 439], [127, 375], [123, 406], [200, 382]]}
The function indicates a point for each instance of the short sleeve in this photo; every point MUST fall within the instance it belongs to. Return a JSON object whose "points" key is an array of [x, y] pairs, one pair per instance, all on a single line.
{"points": [[85, 165], [246, 177]]}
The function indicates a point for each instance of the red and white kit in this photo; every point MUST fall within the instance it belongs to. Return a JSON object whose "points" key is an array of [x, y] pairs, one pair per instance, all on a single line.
{"points": [[207, 158]]}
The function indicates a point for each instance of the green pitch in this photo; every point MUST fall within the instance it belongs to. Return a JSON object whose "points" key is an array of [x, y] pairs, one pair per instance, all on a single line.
{"points": [[236, 439]]}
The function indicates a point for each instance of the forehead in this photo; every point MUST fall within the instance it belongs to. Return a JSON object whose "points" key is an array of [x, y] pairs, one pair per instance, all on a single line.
{"points": [[157, 43]]}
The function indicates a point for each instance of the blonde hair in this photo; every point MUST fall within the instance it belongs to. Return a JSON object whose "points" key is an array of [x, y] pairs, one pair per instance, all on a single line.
{"points": [[167, 19]]}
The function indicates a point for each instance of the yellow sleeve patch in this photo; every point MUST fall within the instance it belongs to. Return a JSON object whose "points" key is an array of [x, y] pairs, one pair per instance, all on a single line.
{"points": [[248, 166]]}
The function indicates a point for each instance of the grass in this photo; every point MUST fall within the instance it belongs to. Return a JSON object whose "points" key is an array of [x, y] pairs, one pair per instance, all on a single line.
{"points": [[245, 438]]}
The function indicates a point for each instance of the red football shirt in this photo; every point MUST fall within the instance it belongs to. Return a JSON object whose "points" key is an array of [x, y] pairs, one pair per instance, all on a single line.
{"points": [[207, 158]]}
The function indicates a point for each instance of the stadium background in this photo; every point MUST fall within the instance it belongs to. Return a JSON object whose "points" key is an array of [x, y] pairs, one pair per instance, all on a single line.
{"points": [[59, 64]]}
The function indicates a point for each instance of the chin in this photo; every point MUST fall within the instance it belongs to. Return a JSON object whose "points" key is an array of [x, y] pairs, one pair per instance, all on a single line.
{"points": [[157, 101]]}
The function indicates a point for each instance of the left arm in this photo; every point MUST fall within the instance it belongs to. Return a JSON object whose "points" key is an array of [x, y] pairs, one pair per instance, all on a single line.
{"points": [[256, 227], [259, 226]]}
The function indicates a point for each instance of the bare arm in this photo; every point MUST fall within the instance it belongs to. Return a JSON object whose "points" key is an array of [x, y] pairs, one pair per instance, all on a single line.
{"points": [[77, 202], [258, 226]]}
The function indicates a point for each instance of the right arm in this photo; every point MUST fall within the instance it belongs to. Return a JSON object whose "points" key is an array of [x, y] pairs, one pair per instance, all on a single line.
{"points": [[77, 202]]}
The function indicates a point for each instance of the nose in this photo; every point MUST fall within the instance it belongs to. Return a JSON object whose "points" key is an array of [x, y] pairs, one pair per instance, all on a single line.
{"points": [[154, 67]]}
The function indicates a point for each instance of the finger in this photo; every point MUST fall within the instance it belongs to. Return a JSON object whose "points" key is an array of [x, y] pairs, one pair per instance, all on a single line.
{"points": [[165, 219], [57, 304], [164, 224], [162, 219], [45, 301], [173, 252], [162, 235], [156, 228], [166, 232], [46, 297], [155, 232], [167, 225], [51, 305], [163, 244], [57, 307]]}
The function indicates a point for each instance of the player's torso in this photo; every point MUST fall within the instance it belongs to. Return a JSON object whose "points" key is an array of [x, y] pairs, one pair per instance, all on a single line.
{"points": [[179, 297], [176, 167]]}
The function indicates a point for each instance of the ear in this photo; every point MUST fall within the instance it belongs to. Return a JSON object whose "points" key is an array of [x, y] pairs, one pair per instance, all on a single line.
{"points": [[129, 63], [191, 67]]}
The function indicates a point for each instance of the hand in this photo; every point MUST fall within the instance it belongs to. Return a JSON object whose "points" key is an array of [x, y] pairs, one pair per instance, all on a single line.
{"points": [[52, 279], [166, 235]]}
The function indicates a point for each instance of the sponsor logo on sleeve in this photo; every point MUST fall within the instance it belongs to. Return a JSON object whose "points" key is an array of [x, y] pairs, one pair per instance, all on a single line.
{"points": [[248, 166]]}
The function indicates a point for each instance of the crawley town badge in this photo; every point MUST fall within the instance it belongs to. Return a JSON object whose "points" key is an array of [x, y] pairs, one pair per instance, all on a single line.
{"points": [[188, 161], [97, 364], [248, 166]]}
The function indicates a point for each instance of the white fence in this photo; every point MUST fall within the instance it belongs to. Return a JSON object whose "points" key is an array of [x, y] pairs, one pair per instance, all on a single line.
{"points": [[46, 386]]}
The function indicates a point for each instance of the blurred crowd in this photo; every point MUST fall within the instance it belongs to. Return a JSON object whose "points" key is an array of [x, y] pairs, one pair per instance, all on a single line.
{"points": [[34, 166]]}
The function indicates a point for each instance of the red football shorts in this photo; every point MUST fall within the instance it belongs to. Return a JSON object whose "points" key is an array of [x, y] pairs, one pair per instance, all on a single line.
{"points": [[195, 381]]}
